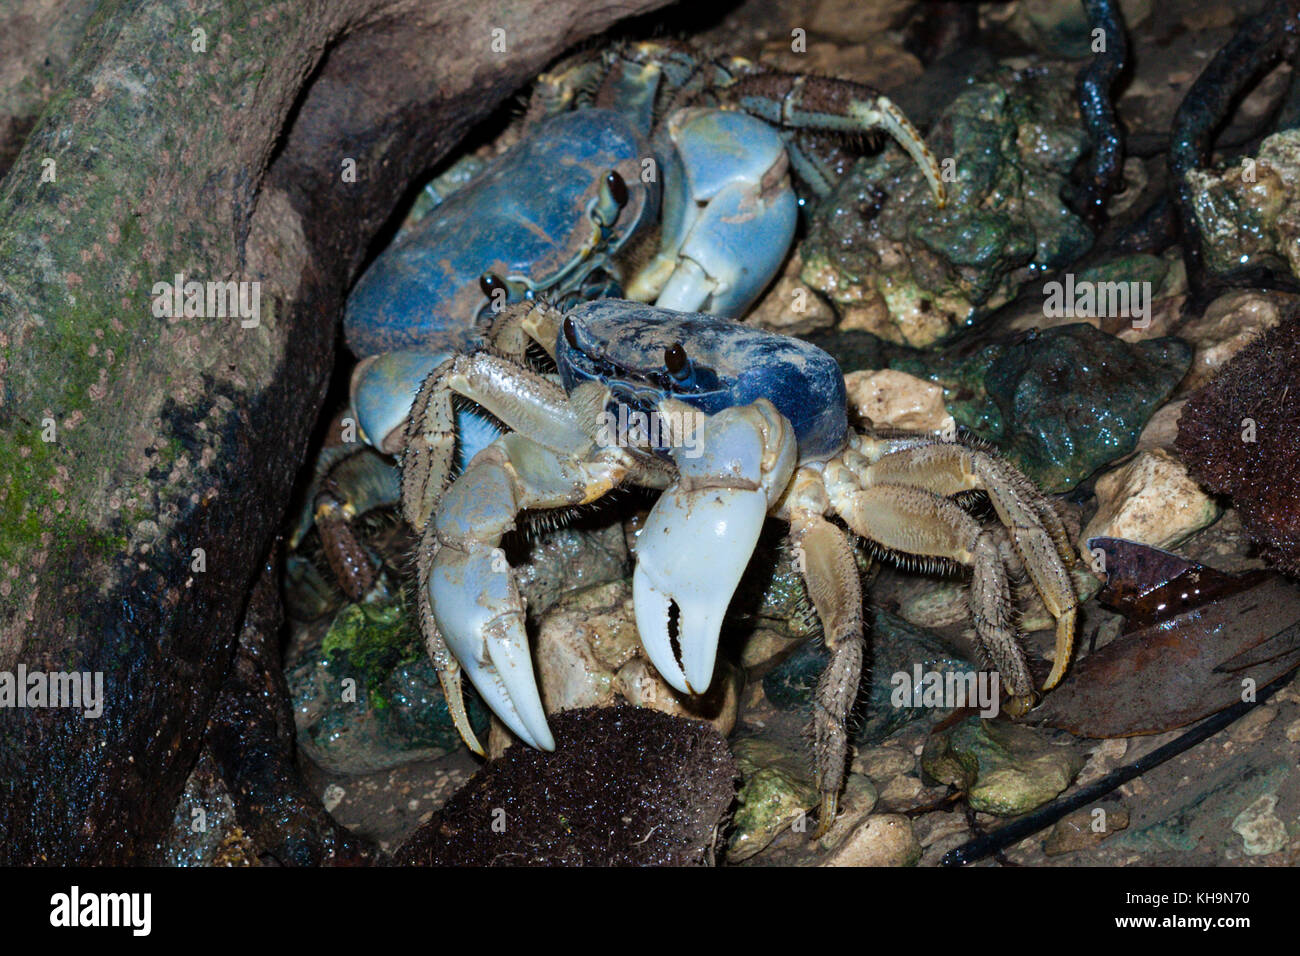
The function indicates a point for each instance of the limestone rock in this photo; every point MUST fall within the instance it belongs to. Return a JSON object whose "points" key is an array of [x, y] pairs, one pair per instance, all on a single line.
{"points": [[890, 399], [885, 839], [1151, 499]]}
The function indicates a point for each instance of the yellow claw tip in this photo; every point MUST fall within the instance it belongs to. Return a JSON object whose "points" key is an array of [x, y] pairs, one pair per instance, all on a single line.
{"points": [[826, 815]]}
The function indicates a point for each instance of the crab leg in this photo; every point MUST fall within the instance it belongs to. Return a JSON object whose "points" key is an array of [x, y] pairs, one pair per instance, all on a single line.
{"points": [[521, 400], [796, 102], [913, 521], [444, 662], [1037, 532], [360, 482], [831, 576]]}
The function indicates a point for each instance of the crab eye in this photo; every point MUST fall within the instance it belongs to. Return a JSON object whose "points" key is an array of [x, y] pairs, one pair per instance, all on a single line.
{"points": [[570, 331], [675, 360], [490, 283], [617, 187]]}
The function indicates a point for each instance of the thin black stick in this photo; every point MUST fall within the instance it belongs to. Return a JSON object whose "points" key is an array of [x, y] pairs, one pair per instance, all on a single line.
{"points": [[1013, 833]]}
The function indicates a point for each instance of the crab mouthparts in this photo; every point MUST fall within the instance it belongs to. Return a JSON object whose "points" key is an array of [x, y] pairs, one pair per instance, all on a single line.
{"points": [[691, 554]]}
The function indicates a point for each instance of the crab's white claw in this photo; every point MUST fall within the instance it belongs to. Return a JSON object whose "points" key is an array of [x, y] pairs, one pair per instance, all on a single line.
{"points": [[699, 537], [470, 594], [691, 553]]}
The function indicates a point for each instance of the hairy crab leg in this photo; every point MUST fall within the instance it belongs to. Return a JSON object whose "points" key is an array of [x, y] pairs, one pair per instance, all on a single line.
{"points": [[357, 484], [831, 576], [1037, 531], [522, 400], [524, 322], [350, 480], [912, 521], [444, 661], [795, 102]]}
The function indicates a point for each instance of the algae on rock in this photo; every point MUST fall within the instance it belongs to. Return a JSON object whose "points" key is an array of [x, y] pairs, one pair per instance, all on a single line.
{"points": [[899, 267]]}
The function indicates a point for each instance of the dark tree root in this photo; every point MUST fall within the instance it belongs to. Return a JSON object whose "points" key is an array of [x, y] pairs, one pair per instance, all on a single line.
{"points": [[1257, 47], [138, 534], [251, 736], [1106, 161]]}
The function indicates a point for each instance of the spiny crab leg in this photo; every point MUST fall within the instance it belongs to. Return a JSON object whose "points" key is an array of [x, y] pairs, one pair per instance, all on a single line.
{"points": [[1037, 532], [796, 103], [701, 533]]}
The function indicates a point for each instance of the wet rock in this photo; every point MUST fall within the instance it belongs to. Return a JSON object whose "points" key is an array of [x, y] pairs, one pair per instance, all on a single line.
{"points": [[204, 831], [251, 737], [1135, 179], [1084, 830], [891, 399], [1061, 27], [896, 647], [366, 697], [790, 306], [1293, 731], [764, 649], [856, 21], [1152, 500], [1105, 297], [1105, 757], [1251, 727], [1196, 815], [901, 792], [1229, 323], [885, 839], [1161, 430], [879, 61], [568, 559], [1059, 403], [1262, 831], [856, 803], [882, 764], [940, 832], [897, 266], [588, 653], [1006, 769], [777, 791], [1248, 213]]}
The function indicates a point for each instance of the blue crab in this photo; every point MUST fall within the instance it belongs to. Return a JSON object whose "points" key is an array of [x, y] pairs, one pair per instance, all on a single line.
{"points": [[734, 425], [649, 171]]}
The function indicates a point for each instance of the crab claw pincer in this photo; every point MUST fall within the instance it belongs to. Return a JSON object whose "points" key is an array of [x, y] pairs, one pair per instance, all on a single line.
{"points": [[701, 533], [476, 604]]}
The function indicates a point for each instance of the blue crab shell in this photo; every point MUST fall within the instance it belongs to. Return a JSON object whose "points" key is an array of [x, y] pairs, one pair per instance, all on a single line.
{"points": [[622, 344], [524, 215]]}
